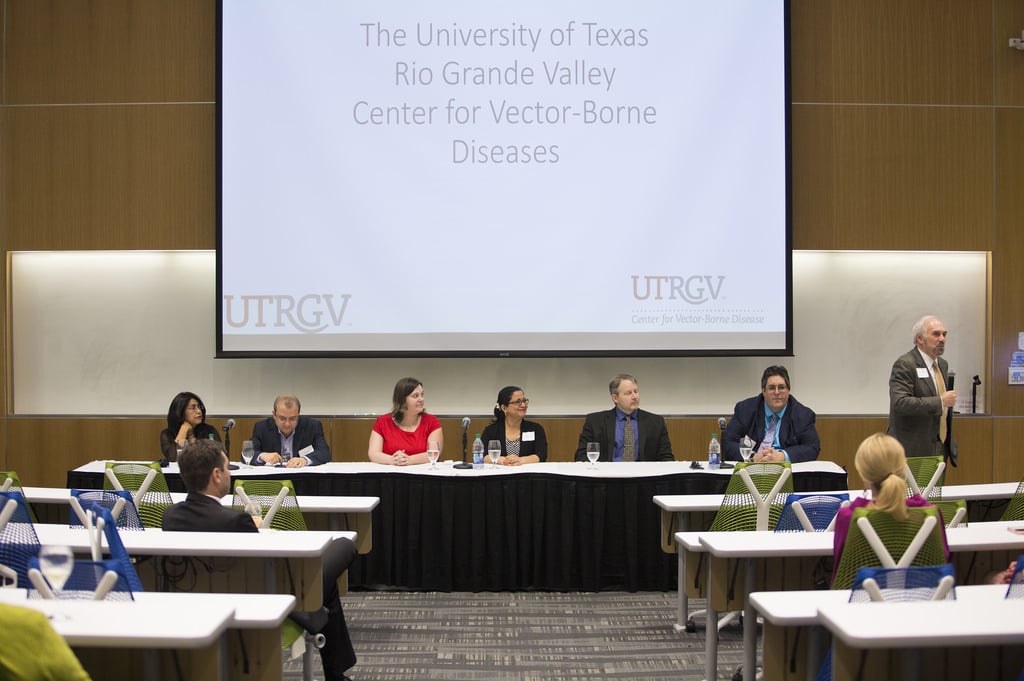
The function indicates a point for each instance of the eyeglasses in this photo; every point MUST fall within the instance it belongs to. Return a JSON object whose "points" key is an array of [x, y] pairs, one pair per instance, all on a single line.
{"points": [[776, 388], [521, 401], [194, 407]]}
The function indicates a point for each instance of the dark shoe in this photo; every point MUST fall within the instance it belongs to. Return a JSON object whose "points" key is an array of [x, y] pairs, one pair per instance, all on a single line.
{"points": [[312, 621]]}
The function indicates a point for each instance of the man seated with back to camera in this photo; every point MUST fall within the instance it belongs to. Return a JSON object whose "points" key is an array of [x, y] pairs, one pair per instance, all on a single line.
{"points": [[203, 465], [781, 428], [288, 439]]}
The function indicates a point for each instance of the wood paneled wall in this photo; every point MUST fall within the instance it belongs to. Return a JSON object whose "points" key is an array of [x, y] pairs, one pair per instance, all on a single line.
{"points": [[908, 126]]}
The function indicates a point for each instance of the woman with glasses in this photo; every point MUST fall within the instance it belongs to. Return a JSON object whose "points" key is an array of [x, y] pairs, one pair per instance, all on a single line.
{"points": [[521, 441], [186, 422]]}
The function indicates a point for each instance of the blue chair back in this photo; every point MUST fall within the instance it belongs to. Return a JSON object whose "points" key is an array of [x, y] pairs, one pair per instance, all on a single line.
{"points": [[18, 540], [128, 519], [85, 578], [916, 583], [1016, 588], [820, 509]]}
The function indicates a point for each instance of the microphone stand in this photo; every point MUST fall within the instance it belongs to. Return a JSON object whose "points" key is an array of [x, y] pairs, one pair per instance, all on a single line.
{"points": [[465, 437], [974, 394]]}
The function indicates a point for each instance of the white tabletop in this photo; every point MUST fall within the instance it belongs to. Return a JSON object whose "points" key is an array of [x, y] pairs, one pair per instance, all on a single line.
{"points": [[251, 611], [308, 503], [800, 608], [154, 542], [636, 469], [156, 623], [926, 624]]}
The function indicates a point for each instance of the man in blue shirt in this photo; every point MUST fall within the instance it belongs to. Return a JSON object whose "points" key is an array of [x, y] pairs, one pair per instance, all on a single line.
{"points": [[626, 432], [781, 428]]}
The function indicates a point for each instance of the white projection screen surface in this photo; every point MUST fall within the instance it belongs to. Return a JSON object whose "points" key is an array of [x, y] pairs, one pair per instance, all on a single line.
{"points": [[519, 179]]}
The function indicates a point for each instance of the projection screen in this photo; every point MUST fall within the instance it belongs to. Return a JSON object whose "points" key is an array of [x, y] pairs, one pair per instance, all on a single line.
{"points": [[536, 178]]}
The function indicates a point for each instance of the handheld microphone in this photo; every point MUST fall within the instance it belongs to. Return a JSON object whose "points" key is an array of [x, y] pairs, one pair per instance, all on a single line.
{"points": [[228, 425], [465, 437], [721, 423], [952, 377]]}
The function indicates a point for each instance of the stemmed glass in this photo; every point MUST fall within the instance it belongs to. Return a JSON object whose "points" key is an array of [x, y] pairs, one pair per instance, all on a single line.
{"points": [[494, 451], [746, 448], [56, 563], [593, 453], [247, 452], [433, 451]]}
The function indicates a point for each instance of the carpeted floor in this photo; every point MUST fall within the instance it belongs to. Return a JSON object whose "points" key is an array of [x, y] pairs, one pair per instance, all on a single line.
{"points": [[524, 636]]}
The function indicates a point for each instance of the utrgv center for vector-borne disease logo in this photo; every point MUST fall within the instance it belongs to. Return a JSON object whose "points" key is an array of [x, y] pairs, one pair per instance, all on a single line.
{"points": [[696, 289], [311, 313]]}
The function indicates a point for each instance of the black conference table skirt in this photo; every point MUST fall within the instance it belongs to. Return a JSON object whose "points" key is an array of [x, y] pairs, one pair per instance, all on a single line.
{"points": [[512, 532]]}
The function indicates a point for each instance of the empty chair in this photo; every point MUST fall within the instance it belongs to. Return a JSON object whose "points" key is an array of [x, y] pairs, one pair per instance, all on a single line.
{"points": [[1015, 509], [810, 512], [147, 484], [89, 580], [274, 499], [10, 482], [877, 539], [925, 475], [119, 502], [917, 583], [18, 540], [954, 511]]}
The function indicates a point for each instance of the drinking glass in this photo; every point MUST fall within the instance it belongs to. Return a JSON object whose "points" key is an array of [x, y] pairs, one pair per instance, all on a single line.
{"points": [[247, 452], [593, 453], [494, 451], [56, 563], [746, 448], [433, 451]]}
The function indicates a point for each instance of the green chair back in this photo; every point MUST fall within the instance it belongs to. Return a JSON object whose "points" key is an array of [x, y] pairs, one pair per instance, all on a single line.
{"points": [[952, 510], [154, 501], [896, 535], [738, 512], [922, 469], [264, 492], [1015, 509]]}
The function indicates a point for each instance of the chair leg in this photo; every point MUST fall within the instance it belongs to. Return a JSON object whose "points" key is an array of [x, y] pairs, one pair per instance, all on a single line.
{"points": [[313, 642]]}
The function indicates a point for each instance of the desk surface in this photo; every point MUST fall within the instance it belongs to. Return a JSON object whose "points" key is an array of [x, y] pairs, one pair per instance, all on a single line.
{"points": [[636, 469], [800, 608], [156, 623], [154, 542], [308, 503], [936, 624]]}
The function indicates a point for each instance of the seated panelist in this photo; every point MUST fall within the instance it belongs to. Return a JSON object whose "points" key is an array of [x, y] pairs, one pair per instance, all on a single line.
{"points": [[626, 432], [781, 428], [186, 422], [401, 437], [288, 439], [522, 441]]}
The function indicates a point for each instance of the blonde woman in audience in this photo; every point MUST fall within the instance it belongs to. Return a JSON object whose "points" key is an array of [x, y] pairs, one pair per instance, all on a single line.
{"points": [[881, 463]]}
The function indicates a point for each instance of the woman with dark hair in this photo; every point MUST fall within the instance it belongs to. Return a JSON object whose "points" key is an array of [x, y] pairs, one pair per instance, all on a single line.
{"points": [[402, 437], [522, 441], [186, 422]]}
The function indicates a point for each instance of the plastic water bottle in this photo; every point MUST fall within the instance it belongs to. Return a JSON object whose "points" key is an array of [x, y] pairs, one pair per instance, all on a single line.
{"points": [[714, 454], [478, 453]]}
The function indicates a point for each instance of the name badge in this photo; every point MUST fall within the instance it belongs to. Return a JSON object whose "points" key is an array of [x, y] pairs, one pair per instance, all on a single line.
{"points": [[306, 451], [529, 436], [923, 373]]}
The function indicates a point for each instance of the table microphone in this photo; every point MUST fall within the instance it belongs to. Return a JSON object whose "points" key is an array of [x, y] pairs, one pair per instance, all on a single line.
{"points": [[228, 425], [465, 430]]}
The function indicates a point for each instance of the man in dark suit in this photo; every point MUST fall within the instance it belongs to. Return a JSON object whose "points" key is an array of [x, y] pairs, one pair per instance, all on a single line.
{"points": [[626, 432], [204, 471], [918, 397], [288, 439], [782, 429]]}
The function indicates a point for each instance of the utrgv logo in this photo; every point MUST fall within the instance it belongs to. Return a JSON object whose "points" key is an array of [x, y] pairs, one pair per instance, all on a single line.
{"points": [[696, 289], [305, 314]]}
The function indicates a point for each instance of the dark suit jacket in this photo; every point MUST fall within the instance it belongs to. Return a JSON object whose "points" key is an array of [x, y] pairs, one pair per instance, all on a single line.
{"points": [[308, 431], [797, 433], [652, 436], [200, 513], [915, 408], [538, 445]]}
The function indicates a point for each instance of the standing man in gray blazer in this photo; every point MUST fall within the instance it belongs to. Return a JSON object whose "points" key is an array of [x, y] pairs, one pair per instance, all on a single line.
{"points": [[919, 397]]}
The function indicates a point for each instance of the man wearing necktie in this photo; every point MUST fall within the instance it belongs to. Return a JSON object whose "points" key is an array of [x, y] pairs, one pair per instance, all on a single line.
{"points": [[626, 432], [781, 427], [918, 396]]}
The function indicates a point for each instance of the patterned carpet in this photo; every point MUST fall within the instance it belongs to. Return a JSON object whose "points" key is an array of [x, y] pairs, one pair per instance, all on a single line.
{"points": [[524, 636]]}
